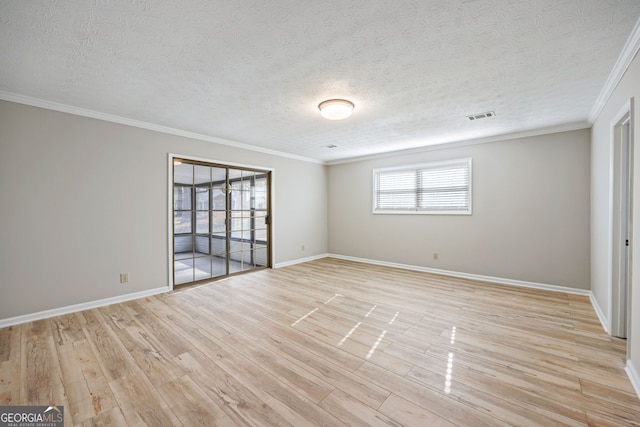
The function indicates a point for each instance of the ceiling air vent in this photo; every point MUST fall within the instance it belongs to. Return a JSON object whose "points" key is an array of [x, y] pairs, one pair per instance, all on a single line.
{"points": [[481, 115]]}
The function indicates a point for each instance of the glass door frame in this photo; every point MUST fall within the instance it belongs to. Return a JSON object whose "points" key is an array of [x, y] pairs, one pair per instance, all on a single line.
{"points": [[172, 158]]}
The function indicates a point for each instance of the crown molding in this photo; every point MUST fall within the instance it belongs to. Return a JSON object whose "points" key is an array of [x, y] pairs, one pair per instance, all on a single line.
{"points": [[64, 108], [463, 143], [629, 51]]}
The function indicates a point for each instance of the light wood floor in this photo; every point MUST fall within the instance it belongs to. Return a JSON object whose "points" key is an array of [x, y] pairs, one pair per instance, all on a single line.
{"points": [[329, 342]]}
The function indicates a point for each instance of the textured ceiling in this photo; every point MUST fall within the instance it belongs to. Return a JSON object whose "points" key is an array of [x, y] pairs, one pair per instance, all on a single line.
{"points": [[254, 71]]}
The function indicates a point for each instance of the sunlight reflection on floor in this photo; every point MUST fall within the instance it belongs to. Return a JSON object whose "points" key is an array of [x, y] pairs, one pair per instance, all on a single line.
{"points": [[449, 372]]}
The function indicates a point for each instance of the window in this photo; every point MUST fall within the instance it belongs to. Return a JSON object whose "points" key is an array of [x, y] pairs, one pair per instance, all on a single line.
{"points": [[429, 188]]}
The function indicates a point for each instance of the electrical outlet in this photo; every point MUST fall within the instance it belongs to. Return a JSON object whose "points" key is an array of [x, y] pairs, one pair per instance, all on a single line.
{"points": [[435, 255], [124, 277]]}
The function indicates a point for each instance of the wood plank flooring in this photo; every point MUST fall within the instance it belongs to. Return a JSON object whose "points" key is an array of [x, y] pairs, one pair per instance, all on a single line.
{"points": [[329, 342]]}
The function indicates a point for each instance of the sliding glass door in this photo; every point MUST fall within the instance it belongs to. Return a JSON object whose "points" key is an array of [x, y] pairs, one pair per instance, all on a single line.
{"points": [[220, 220]]}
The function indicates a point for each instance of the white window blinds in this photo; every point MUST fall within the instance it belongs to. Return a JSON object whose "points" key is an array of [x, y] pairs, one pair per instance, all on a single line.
{"points": [[430, 188]]}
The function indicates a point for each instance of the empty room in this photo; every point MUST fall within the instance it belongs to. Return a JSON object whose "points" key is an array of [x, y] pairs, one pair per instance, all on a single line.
{"points": [[412, 213]]}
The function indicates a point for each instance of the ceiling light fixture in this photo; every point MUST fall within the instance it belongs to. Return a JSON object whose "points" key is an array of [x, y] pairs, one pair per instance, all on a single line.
{"points": [[336, 109]]}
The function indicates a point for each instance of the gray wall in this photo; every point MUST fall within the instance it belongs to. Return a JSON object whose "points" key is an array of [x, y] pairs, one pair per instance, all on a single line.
{"points": [[530, 217], [84, 200], [601, 234]]}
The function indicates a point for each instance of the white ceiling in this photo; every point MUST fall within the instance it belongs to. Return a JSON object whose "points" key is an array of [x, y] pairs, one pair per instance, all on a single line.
{"points": [[254, 71]]}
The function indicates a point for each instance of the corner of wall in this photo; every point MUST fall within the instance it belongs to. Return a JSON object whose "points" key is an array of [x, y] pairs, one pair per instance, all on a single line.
{"points": [[599, 312], [634, 376]]}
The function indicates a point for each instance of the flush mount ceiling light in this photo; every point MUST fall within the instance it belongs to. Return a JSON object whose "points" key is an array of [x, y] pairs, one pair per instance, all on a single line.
{"points": [[336, 109]]}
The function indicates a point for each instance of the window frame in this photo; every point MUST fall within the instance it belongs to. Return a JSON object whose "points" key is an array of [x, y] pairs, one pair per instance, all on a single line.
{"points": [[466, 161], [235, 250]]}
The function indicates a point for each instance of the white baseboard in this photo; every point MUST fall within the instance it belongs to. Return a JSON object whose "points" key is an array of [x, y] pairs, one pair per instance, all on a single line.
{"points": [[599, 313], [128, 297], [634, 376], [498, 280], [300, 261], [80, 307]]}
